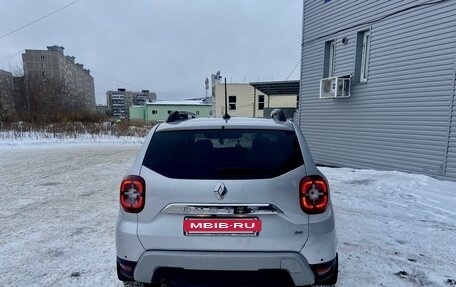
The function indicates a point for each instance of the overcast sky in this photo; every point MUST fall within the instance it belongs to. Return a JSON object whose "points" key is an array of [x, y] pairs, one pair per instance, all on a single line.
{"points": [[166, 46]]}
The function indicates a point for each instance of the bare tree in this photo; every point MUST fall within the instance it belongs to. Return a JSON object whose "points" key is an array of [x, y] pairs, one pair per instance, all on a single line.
{"points": [[7, 105]]}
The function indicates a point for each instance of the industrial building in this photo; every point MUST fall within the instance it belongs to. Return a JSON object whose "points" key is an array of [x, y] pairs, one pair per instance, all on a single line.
{"points": [[160, 110], [253, 99], [378, 84]]}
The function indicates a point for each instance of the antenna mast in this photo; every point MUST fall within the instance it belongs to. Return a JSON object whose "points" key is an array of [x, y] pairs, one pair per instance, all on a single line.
{"points": [[226, 116]]}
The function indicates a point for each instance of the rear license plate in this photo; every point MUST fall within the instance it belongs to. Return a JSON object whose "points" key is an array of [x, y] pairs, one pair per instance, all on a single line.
{"points": [[222, 226]]}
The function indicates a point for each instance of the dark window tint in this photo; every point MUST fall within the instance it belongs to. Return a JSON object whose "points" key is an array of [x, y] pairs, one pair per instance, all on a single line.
{"points": [[232, 102], [223, 154], [261, 102]]}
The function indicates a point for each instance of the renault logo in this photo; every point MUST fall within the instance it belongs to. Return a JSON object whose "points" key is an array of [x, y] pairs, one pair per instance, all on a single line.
{"points": [[220, 191]]}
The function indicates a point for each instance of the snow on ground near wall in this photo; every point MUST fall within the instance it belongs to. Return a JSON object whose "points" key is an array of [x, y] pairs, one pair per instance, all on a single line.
{"points": [[59, 205], [394, 229]]}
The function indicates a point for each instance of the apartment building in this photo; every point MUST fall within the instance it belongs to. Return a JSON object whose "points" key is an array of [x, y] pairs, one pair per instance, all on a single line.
{"points": [[119, 101], [55, 82]]}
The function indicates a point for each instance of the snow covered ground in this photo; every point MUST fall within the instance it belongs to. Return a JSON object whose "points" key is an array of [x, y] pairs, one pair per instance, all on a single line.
{"points": [[395, 229], [58, 207], [23, 139]]}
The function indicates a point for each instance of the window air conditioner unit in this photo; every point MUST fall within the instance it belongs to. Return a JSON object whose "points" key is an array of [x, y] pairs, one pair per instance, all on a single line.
{"points": [[335, 87]]}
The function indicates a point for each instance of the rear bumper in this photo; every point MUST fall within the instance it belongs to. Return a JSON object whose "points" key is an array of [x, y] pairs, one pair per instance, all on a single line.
{"points": [[294, 263]]}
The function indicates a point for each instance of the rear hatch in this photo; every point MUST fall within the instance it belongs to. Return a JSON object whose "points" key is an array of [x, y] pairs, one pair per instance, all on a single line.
{"points": [[223, 189]]}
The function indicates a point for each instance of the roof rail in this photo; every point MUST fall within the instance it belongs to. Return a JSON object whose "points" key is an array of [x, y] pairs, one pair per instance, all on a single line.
{"points": [[177, 116], [278, 115]]}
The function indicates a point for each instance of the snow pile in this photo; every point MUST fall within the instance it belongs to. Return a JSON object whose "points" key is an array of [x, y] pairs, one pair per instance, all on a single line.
{"points": [[14, 138]]}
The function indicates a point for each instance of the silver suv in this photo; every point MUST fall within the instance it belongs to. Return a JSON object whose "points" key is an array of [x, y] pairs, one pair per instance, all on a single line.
{"points": [[218, 200]]}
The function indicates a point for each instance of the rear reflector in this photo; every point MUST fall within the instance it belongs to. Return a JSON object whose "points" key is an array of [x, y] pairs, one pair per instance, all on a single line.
{"points": [[126, 267], [132, 193], [323, 270], [313, 194]]}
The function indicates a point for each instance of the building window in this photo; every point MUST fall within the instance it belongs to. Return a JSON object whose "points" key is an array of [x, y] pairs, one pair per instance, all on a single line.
{"points": [[362, 56], [43, 74], [261, 102], [232, 102], [43, 66], [154, 112], [42, 57], [197, 113], [365, 56], [329, 59]]}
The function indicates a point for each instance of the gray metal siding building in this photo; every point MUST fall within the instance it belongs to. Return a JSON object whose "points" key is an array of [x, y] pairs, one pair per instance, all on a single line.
{"points": [[401, 114]]}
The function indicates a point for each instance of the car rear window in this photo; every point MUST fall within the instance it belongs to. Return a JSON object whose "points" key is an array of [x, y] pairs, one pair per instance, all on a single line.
{"points": [[223, 153]]}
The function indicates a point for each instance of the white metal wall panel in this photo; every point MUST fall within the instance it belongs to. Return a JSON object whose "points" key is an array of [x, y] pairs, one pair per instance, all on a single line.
{"points": [[399, 118]]}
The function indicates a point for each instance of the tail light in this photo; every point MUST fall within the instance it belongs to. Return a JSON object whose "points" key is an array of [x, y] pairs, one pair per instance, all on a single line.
{"points": [[313, 194], [132, 193]]}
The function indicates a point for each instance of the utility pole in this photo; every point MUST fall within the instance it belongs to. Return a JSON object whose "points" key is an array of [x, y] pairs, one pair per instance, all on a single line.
{"points": [[207, 88]]}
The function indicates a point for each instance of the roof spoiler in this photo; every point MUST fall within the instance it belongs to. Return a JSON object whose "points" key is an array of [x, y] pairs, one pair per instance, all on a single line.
{"points": [[278, 115], [178, 116]]}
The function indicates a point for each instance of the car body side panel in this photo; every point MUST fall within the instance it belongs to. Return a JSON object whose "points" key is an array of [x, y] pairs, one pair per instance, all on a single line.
{"points": [[128, 246], [308, 160], [322, 242], [136, 167]]}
